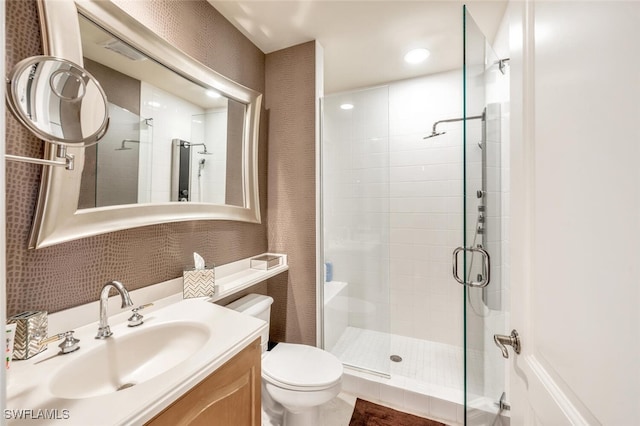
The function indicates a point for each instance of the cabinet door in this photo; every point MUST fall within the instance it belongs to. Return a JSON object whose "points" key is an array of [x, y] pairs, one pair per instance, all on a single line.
{"points": [[229, 396]]}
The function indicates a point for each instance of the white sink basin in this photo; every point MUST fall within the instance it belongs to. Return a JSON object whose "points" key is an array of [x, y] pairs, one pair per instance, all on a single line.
{"points": [[121, 362], [136, 373]]}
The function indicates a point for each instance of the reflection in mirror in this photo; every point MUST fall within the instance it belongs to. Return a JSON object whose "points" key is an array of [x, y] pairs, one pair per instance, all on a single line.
{"points": [[199, 166], [151, 106], [156, 97], [111, 174], [58, 101]]}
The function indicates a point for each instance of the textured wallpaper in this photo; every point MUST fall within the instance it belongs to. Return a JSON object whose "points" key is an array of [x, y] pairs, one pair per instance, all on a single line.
{"points": [[290, 100], [70, 274]]}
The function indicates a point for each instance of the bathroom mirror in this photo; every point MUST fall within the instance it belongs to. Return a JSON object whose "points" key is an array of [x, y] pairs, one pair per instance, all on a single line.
{"points": [[126, 180], [58, 101]]}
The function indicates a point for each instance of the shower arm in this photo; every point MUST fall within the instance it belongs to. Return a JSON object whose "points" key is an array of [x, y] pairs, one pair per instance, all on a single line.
{"points": [[186, 144], [452, 120]]}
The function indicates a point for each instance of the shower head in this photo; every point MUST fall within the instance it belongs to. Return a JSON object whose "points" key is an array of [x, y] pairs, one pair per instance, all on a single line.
{"points": [[434, 134], [205, 152], [123, 148]]}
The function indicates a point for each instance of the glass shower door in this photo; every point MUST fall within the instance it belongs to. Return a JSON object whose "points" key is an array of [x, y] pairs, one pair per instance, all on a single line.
{"points": [[355, 187], [482, 276]]}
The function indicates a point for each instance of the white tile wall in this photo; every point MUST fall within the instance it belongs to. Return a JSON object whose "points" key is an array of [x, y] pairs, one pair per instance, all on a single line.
{"points": [[356, 202], [393, 208], [209, 128], [424, 214], [426, 207], [171, 119]]}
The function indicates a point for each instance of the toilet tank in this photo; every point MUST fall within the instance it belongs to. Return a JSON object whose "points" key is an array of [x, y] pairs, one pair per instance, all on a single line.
{"points": [[256, 305]]}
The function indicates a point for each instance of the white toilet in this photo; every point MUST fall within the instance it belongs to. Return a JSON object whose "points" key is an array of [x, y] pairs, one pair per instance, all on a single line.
{"points": [[296, 379]]}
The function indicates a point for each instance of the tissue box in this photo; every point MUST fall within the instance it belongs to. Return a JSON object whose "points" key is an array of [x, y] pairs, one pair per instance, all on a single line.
{"points": [[198, 282], [31, 329], [265, 262]]}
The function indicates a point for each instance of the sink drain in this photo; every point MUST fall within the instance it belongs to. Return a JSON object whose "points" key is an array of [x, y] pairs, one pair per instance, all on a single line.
{"points": [[396, 358], [126, 386]]}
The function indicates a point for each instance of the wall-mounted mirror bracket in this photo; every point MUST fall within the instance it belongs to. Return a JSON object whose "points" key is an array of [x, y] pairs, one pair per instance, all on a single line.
{"points": [[67, 160], [60, 103]]}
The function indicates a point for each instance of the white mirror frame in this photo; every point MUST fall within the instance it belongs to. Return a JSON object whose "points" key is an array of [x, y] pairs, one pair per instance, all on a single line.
{"points": [[57, 217]]}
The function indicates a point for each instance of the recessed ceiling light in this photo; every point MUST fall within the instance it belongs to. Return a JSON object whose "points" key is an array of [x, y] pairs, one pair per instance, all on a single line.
{"points": [[416, 56], [213, 94], [346, 106]]}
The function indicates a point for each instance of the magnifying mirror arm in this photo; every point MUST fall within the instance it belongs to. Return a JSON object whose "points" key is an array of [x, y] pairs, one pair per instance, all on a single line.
{"points": [[61, 152]]}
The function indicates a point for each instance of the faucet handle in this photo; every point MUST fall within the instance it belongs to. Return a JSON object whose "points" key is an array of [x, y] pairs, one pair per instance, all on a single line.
{"points": [[70, 343], [136, 319]]}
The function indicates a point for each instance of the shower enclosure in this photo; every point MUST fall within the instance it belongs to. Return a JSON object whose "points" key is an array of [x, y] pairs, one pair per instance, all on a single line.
{"points": [[412, 172], [115, 170]]}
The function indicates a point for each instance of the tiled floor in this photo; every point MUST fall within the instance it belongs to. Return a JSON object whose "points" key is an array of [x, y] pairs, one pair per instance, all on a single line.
{"points": [[428, 382], [424, 364]]}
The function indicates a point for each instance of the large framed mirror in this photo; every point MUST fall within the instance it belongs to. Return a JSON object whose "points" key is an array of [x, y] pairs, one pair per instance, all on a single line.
{"points": [[182, 141]]}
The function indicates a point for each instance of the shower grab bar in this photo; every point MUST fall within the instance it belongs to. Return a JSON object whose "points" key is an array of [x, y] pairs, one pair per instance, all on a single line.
{"points": [[486, 270]]}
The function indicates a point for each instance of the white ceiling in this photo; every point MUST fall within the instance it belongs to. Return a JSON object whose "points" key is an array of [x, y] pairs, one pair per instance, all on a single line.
{"points": [[364, 41]]}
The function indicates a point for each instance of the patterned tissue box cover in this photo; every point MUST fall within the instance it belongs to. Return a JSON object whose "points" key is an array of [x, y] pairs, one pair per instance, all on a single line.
{"points": [[31, 329], [198, 282]]}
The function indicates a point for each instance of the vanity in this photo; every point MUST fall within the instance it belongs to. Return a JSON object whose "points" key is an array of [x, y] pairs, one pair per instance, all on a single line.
{"points": [[228, 396], [190, 362]]}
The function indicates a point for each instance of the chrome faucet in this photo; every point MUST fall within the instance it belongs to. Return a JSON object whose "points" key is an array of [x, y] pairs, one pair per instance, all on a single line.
{"points": [[103, 328]]}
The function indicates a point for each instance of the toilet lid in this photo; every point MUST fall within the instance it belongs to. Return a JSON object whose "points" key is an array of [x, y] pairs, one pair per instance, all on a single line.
{"points": [[301, 366]]}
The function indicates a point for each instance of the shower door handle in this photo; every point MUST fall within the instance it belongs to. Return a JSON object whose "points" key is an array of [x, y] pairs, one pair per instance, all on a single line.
{"points": [[486, 269]]}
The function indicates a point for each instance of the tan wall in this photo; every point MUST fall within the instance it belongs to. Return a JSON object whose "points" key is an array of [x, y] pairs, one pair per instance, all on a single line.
{"points": [[70, 274], [120, 89], [291, 105]]}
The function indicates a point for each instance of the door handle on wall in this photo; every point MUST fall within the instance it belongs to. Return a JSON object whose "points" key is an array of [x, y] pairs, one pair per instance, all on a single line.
{"points": [[486, 270], [503, 341]]}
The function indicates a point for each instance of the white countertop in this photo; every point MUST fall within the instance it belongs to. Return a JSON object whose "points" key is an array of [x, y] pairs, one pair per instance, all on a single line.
{"points": [[30, 381], [32, 396]]}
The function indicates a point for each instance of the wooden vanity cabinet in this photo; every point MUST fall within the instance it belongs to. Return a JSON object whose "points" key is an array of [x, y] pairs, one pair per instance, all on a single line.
{"points": [[229, 396]]}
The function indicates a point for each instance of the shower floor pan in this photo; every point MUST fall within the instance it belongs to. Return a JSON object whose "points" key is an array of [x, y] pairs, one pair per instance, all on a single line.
{"points": [[428, 381]]}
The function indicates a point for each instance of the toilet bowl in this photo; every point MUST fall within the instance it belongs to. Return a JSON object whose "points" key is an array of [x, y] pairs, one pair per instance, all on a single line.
{"points": [[296, 379]]}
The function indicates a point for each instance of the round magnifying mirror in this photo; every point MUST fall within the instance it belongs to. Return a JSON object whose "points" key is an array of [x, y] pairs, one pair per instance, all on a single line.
{"points": [[58, 101]]}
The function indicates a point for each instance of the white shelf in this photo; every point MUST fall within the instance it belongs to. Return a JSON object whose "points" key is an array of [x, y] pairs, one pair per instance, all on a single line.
{"points": [[236, 276]]}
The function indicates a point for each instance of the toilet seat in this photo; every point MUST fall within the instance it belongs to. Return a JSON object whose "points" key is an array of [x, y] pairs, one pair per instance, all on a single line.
{"points": [[301, 368]]}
